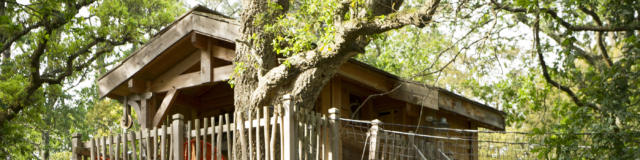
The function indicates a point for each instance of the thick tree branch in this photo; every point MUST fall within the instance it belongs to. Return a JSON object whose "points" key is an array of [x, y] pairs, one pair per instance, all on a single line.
{"points": [[599, 37], [587, 56], [564, 23], [545, 71], [419, 18], [349, 41], [6, 45]]}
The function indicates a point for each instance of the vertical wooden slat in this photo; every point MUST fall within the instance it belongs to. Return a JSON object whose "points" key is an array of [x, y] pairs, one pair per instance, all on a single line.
{"points": [[205, 137], [318, 138], [205, 126], [258, 148], [189, 156], [233, 136], [272, 137], [117, 143], [312, 136], [267, 121], [154, 143], [198, 142], [103, 147], [385, 146], [405, 148], [133, 145], [148, 151], [163, 143], [140, 144], [229, 139], [243, 140], [111, 147], [306, 134], [219, 140], [324, 140], [393, 147], [125, 141], [282, 141], [302, 131], [92, 150], [250, 145]]}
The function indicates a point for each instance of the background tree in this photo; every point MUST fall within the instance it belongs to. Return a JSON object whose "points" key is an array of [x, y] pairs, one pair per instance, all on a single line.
{"points": [[569, 68], [51, 46]]}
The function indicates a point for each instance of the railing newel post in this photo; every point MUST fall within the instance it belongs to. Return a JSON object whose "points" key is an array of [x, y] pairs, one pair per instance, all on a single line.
{"points": [[289, 124], [177, 136], [335, 139], [374, 139]]}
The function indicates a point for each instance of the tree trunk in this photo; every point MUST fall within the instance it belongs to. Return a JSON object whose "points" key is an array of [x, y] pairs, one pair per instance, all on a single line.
{"points": [[45, 145], [262, 78]]}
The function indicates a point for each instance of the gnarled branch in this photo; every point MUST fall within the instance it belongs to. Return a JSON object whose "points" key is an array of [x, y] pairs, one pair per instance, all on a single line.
{"points": [[545, 71], [564, 23]]}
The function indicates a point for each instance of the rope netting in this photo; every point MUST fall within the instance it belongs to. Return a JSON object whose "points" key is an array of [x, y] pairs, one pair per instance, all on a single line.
{"points": [[400, 141]]}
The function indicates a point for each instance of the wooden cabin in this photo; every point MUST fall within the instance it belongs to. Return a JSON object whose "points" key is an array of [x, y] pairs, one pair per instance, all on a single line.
{"points": [[185, 67]]}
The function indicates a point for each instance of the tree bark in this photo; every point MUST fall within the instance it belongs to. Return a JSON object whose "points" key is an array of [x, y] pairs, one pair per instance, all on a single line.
{"points": [[262, 80]]}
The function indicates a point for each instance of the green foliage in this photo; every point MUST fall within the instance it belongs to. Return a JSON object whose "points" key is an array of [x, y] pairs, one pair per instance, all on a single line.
{"points": [[54, 110], [502, 71]]}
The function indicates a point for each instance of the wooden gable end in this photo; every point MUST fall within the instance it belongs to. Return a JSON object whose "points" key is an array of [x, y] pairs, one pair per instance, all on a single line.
{"points": [[174, 43]]}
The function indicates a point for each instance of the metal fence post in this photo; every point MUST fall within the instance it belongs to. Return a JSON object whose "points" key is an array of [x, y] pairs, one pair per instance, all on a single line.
{"points": [[335, 140], [177, 136], [289, 124], [373, 145]]}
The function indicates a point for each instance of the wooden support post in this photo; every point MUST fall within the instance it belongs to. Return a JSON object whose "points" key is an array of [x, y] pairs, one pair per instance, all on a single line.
{"points": [[336, 140], [289, 125], [374, 143], [177, 136], [75, 146]]}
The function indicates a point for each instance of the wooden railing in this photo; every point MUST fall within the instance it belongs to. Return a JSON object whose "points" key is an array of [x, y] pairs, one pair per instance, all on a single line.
{"points": [[269, 133]]}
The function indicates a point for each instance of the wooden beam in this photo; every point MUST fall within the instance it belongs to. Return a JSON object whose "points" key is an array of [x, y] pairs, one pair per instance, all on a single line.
{"points": [[134, 104], [408, 92], [416, 94], [206, 63], [143, 56], [223, 53], [190, 80], [137, 85], [178, 82], [200, 41], [366, 77], [180, 68], [485, 117], [140, 96], [141, 104], [166, 104]]}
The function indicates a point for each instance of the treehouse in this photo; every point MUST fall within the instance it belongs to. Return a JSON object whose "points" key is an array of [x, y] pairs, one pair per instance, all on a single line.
{"points": [[184, 69]]}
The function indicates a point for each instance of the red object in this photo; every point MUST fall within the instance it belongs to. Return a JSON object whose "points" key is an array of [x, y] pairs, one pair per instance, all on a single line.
{"points": [[103, 158], [205, 156]]}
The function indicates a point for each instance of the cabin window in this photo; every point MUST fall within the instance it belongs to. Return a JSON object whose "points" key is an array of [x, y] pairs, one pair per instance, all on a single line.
{"points": [[354, 103]]}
